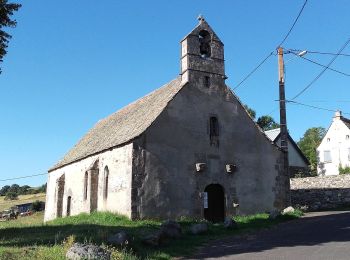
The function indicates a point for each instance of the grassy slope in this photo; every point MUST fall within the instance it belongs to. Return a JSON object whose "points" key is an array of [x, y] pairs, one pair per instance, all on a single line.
{"points": [[29, 238], [6, 204]]}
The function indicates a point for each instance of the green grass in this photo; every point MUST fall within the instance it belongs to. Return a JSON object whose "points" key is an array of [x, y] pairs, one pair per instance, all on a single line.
{"points": [[29, 238], [6, 204]]}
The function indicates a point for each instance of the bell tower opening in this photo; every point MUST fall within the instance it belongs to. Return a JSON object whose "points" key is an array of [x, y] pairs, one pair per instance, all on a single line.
{"points": [[204, 41]]}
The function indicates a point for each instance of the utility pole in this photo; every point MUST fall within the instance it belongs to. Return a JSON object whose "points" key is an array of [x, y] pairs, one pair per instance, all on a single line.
{"points": [[283, 122]]}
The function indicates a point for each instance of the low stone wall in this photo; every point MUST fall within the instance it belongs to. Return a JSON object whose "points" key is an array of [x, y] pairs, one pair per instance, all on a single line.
{"points": [[322, 192]]}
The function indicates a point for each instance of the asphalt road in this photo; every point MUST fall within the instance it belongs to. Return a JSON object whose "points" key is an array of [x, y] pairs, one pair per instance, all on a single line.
{"points": [[317, 236]]}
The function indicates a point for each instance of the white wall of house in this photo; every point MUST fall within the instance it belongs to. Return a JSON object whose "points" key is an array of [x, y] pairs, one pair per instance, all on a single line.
{"points": [[334, 148], [119, 163], [294, 157]]}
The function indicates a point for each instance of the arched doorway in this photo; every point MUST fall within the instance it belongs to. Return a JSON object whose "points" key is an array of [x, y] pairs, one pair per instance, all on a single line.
{"points": [[214, 203]]}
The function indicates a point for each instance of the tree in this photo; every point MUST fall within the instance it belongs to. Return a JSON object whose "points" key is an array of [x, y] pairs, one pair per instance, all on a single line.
{"points": [[4, 190], [250, 111], [6, 11], [14, 188], [308, 144], [267, 123], [11, 196]]}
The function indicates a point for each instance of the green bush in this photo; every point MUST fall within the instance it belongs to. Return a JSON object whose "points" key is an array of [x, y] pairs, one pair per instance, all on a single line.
{"points": [[11, 196], [345, 170]]}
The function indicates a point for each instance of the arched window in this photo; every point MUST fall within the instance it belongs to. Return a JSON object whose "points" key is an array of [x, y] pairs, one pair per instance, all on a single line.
{"points": [[105, 188], [204, 41], [214, 131], [86, 185]]}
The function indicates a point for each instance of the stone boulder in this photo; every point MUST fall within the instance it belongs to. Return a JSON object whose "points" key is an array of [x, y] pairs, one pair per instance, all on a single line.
{"points": [[84, 251], [230, 223], [200, 228], [171, 229], [119, 239], [290, 209]]}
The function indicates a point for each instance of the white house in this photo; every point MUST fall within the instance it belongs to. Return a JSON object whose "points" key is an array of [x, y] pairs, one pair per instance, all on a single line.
{"points": [[297, 160], [334, 150]]}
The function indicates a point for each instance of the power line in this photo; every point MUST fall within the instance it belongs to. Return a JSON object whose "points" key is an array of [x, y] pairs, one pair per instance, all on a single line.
{"points": [[295, 21], [255, 69], [269, 55], [311, 106], [323, 71], [23, 177], [323, 53], [319, 64]]}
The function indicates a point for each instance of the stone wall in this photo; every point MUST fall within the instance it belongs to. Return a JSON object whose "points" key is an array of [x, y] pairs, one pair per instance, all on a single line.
{"points": [[322, 192]]}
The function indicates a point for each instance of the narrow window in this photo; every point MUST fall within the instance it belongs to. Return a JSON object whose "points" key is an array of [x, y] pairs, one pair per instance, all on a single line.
{"points": [[207, 81], [347, 137], [349, 154], [69, 203], [327, 156], [328, 139], [105, 188], [204, 44], [85, 185], [214, 131]]}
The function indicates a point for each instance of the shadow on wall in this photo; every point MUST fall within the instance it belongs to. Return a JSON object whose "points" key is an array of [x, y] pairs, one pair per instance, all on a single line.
{"points": [[321, 199]]}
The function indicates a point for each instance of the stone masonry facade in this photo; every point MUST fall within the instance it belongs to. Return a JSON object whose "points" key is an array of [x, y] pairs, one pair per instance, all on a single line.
{"points": [[322, 192]]}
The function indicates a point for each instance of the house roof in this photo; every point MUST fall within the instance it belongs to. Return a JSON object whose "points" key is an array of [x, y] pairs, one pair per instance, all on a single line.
{"points": [[123, 125], [274, 134], [346, 121]]}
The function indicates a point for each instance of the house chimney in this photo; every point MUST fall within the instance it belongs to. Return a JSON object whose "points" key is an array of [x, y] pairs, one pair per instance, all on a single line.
{"points": [[337, 115]]}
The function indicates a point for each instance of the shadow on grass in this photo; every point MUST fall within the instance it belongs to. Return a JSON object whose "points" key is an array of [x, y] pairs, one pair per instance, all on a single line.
{"points": [[56, 232]]}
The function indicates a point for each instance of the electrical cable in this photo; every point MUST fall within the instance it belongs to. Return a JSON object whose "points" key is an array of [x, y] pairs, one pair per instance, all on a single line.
{"points": [[319, 64], [311, 106], [23, 177], [323, 71], [255, 69], [323, 53], [295, 21]]}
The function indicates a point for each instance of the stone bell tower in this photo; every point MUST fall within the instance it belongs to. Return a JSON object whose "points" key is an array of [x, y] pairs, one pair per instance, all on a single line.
{"points": [[202, 56]]}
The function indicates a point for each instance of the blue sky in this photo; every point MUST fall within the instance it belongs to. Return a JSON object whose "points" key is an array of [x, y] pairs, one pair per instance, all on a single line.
{"points": [[71, 63]]}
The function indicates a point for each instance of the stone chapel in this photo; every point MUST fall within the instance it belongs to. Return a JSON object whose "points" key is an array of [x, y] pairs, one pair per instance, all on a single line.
{"points": [[188, 148]]}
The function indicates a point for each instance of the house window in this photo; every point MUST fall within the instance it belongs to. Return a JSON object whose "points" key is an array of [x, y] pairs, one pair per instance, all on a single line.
{"points": [[348, 154], [207, 81], [347, 137], [204, 41], [85, 185], [214, 131], [105, 186], [328, 139], [327, 156]]}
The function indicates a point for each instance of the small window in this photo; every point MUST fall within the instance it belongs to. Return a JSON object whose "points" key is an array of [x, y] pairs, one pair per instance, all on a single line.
{"points": [[347, 137], [204, 41], [85, 185], [348, 154], [105, 186], [328, 139], [327, 156], [214, 131], [207, 81]]}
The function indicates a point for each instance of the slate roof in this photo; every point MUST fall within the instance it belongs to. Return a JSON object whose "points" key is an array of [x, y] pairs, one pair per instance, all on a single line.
{"points": [[346, 121], [124, 125]]}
